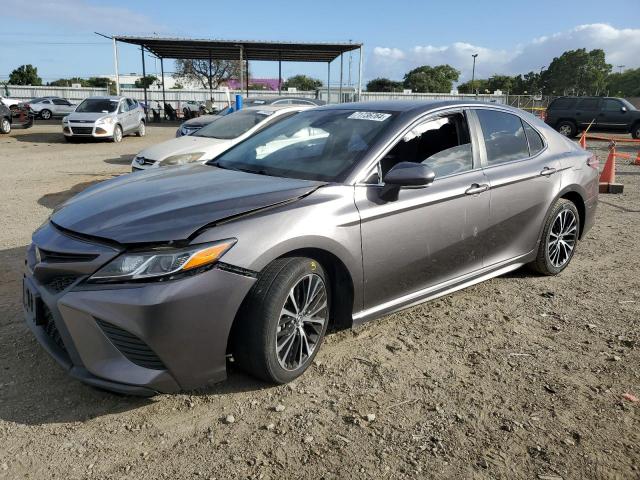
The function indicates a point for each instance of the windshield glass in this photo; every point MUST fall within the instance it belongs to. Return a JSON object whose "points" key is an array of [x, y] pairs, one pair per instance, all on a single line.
{"points": [[313, 145], [233, 125], [628, 104], [98, 105]]}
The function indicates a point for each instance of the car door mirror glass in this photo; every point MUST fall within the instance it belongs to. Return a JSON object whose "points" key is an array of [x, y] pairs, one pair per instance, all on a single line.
{"points": [[410, 174], [623, 109]]}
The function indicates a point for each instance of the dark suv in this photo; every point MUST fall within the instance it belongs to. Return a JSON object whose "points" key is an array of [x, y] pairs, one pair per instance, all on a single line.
{"points": [[569, 115]]}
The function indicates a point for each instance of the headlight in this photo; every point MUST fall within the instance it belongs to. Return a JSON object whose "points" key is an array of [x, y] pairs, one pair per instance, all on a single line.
{"points": [[182, 159], [65, 119], [107, 120], [139, 159], [161, 262]]}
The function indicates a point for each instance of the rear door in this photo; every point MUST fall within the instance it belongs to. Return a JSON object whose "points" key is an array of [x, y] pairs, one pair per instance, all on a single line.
{"points": [[424, 236], [523, 181], [612, 115], [587, 111]]}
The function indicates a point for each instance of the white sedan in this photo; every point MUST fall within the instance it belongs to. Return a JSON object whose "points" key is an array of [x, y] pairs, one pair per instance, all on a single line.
{"points": [[215, 138]]}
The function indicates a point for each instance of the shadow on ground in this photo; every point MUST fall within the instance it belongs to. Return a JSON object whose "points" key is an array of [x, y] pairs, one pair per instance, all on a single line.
{"points": [[52, 200], [121, 160]]}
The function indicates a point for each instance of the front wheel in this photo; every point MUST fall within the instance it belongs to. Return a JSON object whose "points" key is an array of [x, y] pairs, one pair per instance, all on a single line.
{"points": [[45, 114], [559, 238], [142, 130], [117, 134], [283, 320], [5, 126]]}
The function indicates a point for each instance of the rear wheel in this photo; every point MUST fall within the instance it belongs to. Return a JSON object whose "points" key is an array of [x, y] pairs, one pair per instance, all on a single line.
{"points": [[559, 238], [117, 134], [45, 114], [283, 321], [567, 128], [635, 131], [5, 125]]}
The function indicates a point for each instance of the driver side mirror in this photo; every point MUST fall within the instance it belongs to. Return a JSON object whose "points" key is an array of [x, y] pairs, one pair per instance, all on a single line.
{"points": [[406, 174], [623, 109]]}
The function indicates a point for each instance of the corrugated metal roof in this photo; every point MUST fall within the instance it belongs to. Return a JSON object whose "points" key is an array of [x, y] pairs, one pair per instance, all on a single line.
{"points": [[203, 49]]}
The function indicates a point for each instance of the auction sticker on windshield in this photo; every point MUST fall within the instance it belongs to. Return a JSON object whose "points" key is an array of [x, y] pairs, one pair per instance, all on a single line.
{"points": [[375, 116]]}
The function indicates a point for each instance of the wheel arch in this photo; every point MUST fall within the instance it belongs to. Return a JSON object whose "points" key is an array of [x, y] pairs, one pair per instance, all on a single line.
{"points": [[574, 193]]}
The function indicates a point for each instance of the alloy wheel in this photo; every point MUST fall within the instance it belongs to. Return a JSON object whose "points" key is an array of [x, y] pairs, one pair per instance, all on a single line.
{"points": [[142, 129], [45, 114], [562, 238], [117, 134], [302, 320], [565, 130], [5, 127]]}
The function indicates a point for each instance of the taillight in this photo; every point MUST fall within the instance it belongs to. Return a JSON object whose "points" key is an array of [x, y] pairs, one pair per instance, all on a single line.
{"points": [[543, 115], [593, 161]]}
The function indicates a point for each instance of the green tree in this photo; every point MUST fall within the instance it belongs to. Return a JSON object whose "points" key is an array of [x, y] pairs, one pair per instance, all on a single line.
{"points": [[177, 86], [25, 75], [67, 82], [384, 85], [145, 82], [209, 75], [479, 85], [577, 72], [431, 79], [625, 84], [302, 83], [101, 82]]}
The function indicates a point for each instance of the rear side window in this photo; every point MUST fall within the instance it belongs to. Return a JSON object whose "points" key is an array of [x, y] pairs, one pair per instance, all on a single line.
{"points": [[588, 104], [504, 136], [562, 104], [611, 105], [535, 141]]}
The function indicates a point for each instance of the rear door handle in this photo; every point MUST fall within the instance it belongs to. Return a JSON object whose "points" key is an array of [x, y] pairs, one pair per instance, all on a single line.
{"points": [[476, 188], [546, 171]]}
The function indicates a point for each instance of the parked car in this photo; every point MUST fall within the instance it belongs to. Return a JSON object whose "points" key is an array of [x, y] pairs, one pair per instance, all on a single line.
{"points": [[18, 117], [12, 103], [145, 283], [195, 124], [570, 115], [213, 139], [105, 117], [191, 108], [50, 107]]}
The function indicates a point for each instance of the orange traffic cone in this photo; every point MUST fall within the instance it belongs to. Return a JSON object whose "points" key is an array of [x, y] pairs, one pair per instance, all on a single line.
{"points": [[583, 140], [637, 162], [608, 176]]}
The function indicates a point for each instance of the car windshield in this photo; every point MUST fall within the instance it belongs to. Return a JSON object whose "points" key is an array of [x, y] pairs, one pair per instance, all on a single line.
{"points": [[628, 104], [98, 105], [235, 124], [319, 145]]}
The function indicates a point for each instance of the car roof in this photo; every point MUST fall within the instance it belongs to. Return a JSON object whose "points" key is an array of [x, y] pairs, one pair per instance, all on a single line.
{"points": [[411, 106], [276, 108], [105, 97]]}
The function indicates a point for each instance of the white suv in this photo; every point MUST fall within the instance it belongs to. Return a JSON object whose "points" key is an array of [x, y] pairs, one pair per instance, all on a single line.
{"points": [[105, 117]]}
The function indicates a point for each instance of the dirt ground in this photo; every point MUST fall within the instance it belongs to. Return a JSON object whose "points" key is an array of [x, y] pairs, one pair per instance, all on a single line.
{"points": [[519, 377]]}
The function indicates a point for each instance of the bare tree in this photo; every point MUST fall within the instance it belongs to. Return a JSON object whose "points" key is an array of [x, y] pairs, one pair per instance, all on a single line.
{"points": [[209, 75]]}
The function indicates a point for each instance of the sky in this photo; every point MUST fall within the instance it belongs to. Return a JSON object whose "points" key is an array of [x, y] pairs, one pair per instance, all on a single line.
{"points": [[57, 36]]}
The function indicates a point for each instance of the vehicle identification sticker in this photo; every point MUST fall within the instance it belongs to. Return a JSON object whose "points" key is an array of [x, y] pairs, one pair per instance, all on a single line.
{"points": [[374, 116]]}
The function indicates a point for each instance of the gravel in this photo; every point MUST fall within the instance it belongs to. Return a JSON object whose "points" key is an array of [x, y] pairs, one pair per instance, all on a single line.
{"points": [[514, 378]]}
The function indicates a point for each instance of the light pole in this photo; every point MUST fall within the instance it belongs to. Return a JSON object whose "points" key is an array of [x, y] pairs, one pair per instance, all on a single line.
{"points": [[473, 72], [621, 67]]}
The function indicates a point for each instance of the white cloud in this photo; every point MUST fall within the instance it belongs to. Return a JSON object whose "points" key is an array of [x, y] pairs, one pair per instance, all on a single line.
{"points": [[621, 47], [81, 14]]}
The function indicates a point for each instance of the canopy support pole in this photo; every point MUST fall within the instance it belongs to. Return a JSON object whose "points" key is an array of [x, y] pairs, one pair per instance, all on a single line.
{"points": [[247, 66], [164, 98], [280, 73], [360, 75], [210, 80], [115, 61], [241, 68], [328, 82], [144, 85], [340, 89]]}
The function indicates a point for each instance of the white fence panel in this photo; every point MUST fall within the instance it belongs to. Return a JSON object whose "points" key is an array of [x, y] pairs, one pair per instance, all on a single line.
{"points": [[74, 95]]}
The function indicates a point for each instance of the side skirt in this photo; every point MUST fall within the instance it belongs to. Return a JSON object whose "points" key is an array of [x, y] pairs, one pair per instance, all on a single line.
{"points": [[450, 286]]}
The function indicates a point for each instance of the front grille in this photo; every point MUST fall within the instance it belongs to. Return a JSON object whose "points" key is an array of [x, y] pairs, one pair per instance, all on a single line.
{"points": [[62, 257], [82, 130], [132, 347], [60, 283], [50, 328]]}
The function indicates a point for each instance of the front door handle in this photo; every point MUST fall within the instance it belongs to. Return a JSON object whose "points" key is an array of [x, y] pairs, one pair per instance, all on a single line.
{"points": [[546, 171], [476, 188]]}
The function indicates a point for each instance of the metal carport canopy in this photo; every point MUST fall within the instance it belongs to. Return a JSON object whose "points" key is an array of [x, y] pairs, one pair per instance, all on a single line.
{"points": [[177, 48]]}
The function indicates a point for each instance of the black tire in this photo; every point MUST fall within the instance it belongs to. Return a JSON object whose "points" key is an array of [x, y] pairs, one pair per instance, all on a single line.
{"points": [[70, 139], [635, 131], [259, 322], [142, 129], [5, 125], [45, 114], [117, 134], [567, 128], [543, 263]]}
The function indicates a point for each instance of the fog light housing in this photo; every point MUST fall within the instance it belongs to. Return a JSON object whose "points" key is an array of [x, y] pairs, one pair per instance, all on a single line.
{"points": [[66, 130], [100, 131]]}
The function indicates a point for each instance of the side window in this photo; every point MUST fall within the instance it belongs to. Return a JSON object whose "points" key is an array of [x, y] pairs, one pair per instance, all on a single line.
{"points": [[123, 107], [443, 143], [132, 103], [59, 101], [588, 104], [504, 136], [611, 105], [562, 104], [535, 141]]}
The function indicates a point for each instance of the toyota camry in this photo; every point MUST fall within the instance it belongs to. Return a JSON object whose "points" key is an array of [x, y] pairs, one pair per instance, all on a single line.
{"points": [[329, 218]]}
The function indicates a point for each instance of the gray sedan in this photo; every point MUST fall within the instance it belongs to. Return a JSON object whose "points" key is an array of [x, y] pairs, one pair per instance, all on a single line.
{"points": [[335, 216], [50, 107]]}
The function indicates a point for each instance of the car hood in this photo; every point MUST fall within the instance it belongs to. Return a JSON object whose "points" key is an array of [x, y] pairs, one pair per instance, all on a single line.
{"points": [[82, 116], [185, 144], [202, 120], [172, 203]]}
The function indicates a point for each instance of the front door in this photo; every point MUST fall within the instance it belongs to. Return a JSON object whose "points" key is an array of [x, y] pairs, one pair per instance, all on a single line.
{"points": [[523, 181], [613, 116], [428, 235]]}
